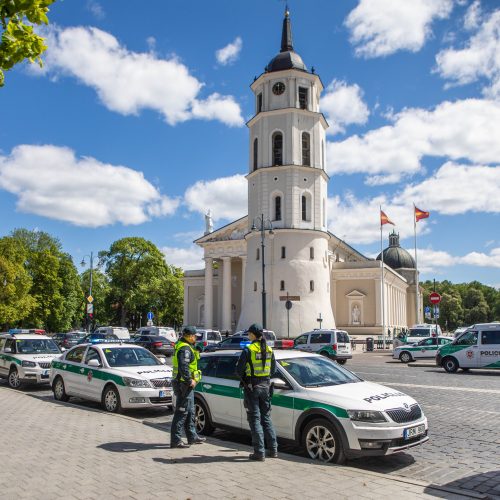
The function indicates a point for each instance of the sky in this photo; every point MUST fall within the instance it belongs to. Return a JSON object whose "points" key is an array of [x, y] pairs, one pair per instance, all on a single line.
{"points": [[136, 124]]}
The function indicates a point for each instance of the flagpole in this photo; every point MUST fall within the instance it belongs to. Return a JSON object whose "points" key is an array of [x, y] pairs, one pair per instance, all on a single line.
{"points": [[417, 292], [382, 282]]}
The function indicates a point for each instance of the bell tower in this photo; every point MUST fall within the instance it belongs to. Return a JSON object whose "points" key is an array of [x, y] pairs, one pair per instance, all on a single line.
{"points": [[287, 186]]}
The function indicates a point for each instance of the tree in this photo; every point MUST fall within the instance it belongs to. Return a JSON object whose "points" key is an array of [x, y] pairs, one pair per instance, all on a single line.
{"points": [[100, 293], [476, 307], [19, 41], [451, 312], [141, 280]]}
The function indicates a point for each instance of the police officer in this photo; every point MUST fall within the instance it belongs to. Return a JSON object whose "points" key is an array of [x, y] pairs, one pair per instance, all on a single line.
{"points": [[255, 368], [184, 379]]}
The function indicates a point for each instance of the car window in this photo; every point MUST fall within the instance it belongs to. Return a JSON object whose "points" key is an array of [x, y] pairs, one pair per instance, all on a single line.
{"points": [[92, 354], [301, 340], [129, 356], [36, 346], [444, 341], [207, 365], [490, 337], [213, 336], [2, 342], [10, 343], [226, 367], [199, 336], [427, 342], [419, 332], [320, 338], [269, 335], [469, 338], [76, 355], [342, 338]]}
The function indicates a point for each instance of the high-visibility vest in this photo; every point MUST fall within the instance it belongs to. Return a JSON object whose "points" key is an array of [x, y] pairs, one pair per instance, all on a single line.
{"points": [[254, 366], [193, 366]]}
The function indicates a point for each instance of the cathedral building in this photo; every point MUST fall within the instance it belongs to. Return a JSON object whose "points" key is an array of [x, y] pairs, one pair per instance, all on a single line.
{"points": [[282, 252]]}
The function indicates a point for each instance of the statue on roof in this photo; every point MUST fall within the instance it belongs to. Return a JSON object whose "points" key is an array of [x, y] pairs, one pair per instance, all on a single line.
{"points": [[209, 224]]}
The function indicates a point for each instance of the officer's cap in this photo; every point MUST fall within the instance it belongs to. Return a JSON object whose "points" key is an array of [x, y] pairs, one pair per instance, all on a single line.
{"points": [[189, 330], [255, 328]]}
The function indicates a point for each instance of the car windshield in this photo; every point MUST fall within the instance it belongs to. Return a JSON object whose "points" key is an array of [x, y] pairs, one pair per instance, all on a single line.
{"points": [[318, 371], [199, 336], [129, 356], [269, 336], [36, 346], [419, 332]]}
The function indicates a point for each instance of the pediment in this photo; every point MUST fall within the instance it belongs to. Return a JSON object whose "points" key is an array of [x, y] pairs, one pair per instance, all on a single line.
{"points": [[355, 294], [233, 231]]}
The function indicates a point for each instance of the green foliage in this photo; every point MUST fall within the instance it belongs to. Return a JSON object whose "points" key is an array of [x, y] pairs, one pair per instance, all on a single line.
{"points": [[18, 40], [100, 293]]}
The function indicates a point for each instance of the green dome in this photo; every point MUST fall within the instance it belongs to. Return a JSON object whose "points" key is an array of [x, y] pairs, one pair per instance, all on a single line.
{"points": [[395, 256]]}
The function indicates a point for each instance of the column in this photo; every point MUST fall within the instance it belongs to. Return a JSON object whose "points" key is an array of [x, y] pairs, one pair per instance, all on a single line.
{"points": [[186, 304], [243, 271], [209, 290], [226, 294]]}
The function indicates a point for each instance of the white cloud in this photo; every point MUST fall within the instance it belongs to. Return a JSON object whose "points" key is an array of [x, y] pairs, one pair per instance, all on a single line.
{"points": [[128, 82], [467, 129], [185, 258], [50, 181], [96, 9], [226, 197], [430, 260], [382, 27], [479, 59], [230, 53], [473, 15], [343, 105]]}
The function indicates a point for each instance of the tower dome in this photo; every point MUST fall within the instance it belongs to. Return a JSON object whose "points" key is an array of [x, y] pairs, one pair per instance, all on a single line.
{"points": [[395, 256], [287, 57]]}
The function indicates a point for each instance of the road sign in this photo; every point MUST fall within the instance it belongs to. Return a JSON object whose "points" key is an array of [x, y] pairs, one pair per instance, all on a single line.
{"points": [[435, 298], [90, 299], [436, 311], [427, 310], [150, 316], [288, 304], [90, 308]]}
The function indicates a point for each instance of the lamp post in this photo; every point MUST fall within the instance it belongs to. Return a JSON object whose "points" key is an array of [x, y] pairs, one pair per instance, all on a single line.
{"points": [[259, 224], [83, 263]]}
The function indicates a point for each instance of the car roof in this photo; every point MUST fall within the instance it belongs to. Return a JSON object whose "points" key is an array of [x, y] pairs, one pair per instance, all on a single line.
{"points": [[110, 344], [25, 336], [278, 354]]}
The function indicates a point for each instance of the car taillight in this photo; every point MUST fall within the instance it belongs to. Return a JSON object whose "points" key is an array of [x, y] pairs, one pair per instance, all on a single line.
{"points": [[172, 344], [157, 344], [334, 347], [205, 343]]}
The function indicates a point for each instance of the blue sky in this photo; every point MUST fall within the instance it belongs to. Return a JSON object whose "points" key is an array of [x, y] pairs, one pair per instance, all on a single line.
{"points": [[136, 124]]}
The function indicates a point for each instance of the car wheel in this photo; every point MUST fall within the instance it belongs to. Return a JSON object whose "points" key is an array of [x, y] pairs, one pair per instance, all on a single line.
{"points": [[405, 357], [450, 364], [321, 441], [341, 361], [111, 399], [59, 390], [14, 379], [202, 420]]}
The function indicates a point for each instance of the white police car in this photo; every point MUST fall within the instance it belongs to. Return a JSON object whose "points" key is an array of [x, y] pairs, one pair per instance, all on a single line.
{"points": [[26, 358], [332, 413], [118, 375], [426, 348]]}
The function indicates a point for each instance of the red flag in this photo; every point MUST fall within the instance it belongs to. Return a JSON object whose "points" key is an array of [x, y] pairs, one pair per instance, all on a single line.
{"points": [[420, 214], [384, 219]]}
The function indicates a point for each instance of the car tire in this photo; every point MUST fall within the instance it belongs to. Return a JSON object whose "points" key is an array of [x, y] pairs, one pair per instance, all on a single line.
{"points": [[202, 420], [405, 357], [341, 361], [111, 399], [450, 364], [322, 442], [13, 379], [59, 390]]}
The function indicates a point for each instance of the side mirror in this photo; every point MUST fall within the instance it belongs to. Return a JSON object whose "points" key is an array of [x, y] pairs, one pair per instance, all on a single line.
{"points": [[63, 349], [7, 349], [94, 363], [163, 361], [279, 384]]}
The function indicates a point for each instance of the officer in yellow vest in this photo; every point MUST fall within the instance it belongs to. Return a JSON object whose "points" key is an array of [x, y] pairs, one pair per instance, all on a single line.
{"points": [[185, 376], [255, 368]]}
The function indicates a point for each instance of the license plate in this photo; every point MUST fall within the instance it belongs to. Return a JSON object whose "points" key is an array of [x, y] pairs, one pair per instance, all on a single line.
{"points": [[413, 431], [164, 394]]}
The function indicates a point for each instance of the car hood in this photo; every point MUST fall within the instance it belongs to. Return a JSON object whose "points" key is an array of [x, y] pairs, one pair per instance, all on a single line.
{"points": [[146, 372], [360, 396], [37, 357]]}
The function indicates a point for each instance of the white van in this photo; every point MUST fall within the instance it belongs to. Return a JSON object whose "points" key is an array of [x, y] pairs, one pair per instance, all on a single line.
{"points": [[477, 347], [120, 331], [334, 344], [417, 333], [161, 331]]}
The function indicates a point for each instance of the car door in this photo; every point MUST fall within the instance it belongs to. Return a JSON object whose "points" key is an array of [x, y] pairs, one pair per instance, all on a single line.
{"points": [[74, 371], [468, 355], [426, 348], [8, 351], [301, 343], [489, 354], [319, 341], [93, 383], [282, 408], [3, 371]]}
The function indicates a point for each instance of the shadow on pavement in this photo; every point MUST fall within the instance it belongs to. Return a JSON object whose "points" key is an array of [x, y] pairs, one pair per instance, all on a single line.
{"points": [[200, 459], [384, 465], [127, 447], [483, 485]]}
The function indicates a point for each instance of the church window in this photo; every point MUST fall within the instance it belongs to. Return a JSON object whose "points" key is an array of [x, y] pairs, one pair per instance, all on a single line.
{"points": [[254, 286], [277, 148], [306, 149], [259, 103], [283, 252], [311, 253], [303, 97], [257, 257], [304, 207], [311, 286], [277, 208], [255, 153], [282, 285]]}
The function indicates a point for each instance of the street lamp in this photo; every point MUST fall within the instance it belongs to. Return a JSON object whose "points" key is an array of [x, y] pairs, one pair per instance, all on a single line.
{"points": [[259, 224], [83, 263]]}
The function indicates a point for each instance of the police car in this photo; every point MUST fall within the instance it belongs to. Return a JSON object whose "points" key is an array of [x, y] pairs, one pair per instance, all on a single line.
{"points": [[477, 347], [115, 374], [426, 348], [26, 358], [332, 413]]}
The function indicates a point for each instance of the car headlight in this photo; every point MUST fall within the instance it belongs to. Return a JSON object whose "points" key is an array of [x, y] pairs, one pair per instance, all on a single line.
{"points": [[28, 364], [135, 382], [367, 416]]}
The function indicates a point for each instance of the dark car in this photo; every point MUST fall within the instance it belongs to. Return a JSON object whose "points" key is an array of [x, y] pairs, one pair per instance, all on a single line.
{"points": [[68, 339], [157, 344], [94, 338], [231, 343]]}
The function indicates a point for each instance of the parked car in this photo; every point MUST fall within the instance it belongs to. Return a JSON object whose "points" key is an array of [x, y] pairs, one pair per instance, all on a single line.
{"points": [[204, 338], [68, 339], [334, 344], [94, 338], [120, 331], [162, 331], [231, 343], [459, 331], [418, 332], [269, 335], [426, 348], [158, 345]]}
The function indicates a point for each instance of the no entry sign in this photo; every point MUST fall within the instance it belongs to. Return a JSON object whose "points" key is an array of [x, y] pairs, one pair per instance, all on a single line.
{"points": [[435, 298]]}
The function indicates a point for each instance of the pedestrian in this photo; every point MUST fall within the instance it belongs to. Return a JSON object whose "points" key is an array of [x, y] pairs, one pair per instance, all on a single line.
{"points": [[255, 368], [185, 376]]}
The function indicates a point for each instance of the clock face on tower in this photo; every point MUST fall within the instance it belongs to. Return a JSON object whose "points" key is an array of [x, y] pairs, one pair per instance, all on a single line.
{"points": [[278, 88]]}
